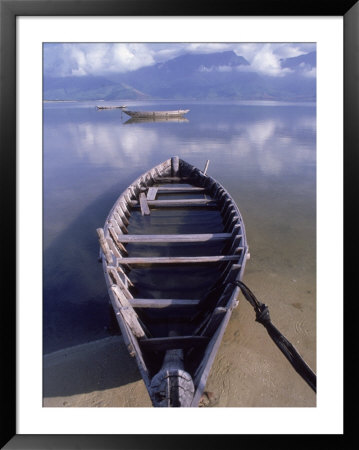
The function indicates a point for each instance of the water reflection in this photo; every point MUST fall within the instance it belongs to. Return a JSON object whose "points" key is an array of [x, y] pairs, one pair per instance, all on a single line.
{"points": [[264, 155], [156, 119], [271, 144]]}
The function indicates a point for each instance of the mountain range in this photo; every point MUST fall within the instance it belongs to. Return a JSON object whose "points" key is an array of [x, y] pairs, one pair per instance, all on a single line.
{"points": [[221, 75]]}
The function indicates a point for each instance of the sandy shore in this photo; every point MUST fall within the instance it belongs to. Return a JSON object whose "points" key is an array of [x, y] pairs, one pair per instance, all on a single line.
{"points": [[249, 370], [100, 373]]}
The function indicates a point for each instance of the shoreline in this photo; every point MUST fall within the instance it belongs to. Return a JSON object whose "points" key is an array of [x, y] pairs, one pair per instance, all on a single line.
{"points": [[248, 371], [92, 375]]}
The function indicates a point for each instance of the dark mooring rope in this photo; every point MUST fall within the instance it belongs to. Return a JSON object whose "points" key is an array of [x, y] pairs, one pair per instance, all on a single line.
{"points": [[262, 316]]}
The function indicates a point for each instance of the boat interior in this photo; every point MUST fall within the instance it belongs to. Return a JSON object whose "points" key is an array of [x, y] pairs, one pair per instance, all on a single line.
{"points": [[180, 242]]}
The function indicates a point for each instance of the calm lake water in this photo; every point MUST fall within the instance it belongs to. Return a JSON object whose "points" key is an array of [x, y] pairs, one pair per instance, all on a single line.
{"points": [[264, 153]]}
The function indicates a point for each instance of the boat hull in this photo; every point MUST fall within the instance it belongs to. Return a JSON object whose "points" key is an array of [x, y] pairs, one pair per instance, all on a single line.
{"points": [[110, 107], [174, 340], [156, 114]]}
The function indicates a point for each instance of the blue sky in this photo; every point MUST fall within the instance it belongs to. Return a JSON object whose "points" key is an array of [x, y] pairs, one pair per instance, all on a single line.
{"points": [[101, 59]]}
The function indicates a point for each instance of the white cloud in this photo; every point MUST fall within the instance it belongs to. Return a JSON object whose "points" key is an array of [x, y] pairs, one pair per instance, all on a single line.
{"points": [[311, 73], [266, 61], [266, 58], [109, 58], [207, 47], [95, 59]]}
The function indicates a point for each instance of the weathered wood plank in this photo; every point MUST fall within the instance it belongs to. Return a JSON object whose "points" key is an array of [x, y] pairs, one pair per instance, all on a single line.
{"points": [[177, 259], [210, 183], [127, 336], [235, 247], [117, 280], [116, 240], [214, 321], [232, 274], [229, 210], [151, 194], [224, 204], [233, 225], [134, 188], [104, 245], [145, 210], [228, 217], [178, 179], [123, 275], [174, 166], [206, 167], [113, 224], [216, 189], [204, 237], [176, 342], [113, 248], [121, 217], [161, 302], [179, 202], [171, 190], [122, 207], [127, 312], [226, 295], [124, 302], [203, 370]]}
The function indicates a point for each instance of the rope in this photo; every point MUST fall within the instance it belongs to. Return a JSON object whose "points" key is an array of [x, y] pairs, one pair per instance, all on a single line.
{"points": [[263, 317]]}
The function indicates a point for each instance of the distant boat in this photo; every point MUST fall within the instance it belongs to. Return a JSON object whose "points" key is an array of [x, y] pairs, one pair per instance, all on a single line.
{"points": [[151, 114], [156, 119], [111, 107]]}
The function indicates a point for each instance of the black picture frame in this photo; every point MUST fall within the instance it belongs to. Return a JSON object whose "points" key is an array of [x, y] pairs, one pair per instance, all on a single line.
{"points": [[9, 10]]}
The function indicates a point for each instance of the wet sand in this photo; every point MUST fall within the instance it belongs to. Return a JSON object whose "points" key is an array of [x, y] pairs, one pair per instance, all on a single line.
{"points": [[249, 370], [100, 373]]}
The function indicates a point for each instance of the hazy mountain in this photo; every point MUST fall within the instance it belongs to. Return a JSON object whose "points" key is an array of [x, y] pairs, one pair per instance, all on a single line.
{"points": [[308, 60], [191, 63], [221, 75], [88, 88]]}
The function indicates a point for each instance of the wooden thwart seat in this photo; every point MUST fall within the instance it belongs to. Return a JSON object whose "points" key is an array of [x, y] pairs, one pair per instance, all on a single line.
{"points": [[145, 210], [177, 259], [171, 343], [177, 202], [161, 302], [153, 238], [151, 194], [175, 190], [176, 179]]}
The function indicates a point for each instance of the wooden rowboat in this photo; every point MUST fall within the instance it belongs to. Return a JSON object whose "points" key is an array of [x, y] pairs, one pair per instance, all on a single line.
{"points": [[111, 107], [177, 119], [148, 114], [171, 247]]}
